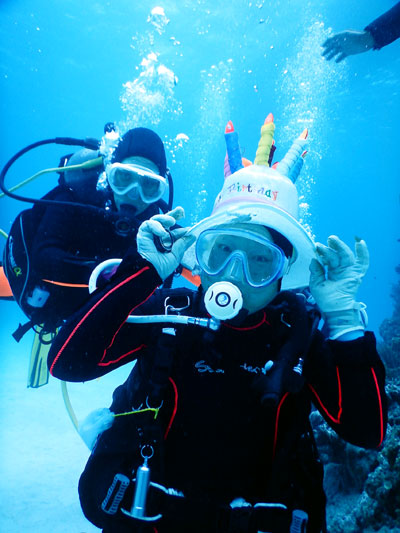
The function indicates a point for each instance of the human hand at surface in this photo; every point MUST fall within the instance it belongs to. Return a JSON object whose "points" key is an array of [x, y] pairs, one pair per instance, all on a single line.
{"points": [[334, 282], [158, 226], [347, 43]]}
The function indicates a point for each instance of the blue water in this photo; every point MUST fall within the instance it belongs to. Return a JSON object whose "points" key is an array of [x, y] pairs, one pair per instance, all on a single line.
{"points": [[69, 67]]}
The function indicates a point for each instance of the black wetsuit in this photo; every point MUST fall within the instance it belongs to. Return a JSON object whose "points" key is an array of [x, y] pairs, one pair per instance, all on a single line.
{"points": [[220, 441], [70, 242], [386, 28]]}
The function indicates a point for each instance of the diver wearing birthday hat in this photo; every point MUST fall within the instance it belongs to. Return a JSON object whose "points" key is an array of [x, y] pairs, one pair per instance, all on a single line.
{"points": [[211, 431], [259, 196]]}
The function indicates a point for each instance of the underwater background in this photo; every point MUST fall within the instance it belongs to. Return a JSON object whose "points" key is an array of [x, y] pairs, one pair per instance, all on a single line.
{"points": [[185, 69]]}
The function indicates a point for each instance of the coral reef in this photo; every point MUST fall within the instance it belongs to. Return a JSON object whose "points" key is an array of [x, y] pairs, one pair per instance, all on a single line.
{"points": [[363, 486], [390, 333]]}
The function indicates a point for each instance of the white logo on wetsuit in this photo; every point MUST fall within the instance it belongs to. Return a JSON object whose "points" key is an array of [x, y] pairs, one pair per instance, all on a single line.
{"points": [[202, 366]]}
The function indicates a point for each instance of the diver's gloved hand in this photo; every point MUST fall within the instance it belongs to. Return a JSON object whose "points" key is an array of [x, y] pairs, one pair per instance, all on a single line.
{"points": [[334, 282], [155, 231]]}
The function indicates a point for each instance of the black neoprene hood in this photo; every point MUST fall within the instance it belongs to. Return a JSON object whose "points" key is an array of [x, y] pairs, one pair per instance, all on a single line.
{"points": [[144, 143]]}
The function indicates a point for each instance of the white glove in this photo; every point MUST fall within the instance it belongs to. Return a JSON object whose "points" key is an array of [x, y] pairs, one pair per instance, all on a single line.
{"points": [[334, 283], [158, 226]]}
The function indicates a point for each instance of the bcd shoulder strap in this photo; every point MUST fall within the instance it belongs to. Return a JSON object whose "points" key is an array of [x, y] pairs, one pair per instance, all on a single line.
{"points": [[286, 373]]}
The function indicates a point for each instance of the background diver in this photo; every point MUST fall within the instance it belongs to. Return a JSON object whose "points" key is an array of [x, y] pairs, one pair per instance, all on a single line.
{"points": [[52, 249]]}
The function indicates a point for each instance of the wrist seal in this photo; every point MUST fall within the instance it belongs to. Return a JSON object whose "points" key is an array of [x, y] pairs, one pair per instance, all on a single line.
{"points": [[346, 320]]}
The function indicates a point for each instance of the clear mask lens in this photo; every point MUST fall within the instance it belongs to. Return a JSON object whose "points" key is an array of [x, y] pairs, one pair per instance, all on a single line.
{"points": [[238, 253], [124, 178]]}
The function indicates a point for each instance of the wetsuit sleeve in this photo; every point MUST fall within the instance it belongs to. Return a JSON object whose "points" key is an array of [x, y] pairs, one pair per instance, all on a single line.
{"points": [[386, 28], [55, 254], [97, 339], [347, 383]]}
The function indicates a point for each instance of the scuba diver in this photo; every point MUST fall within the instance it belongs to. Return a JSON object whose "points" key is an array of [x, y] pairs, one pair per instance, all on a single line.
{"points": [[211, 431], [92, 215]]}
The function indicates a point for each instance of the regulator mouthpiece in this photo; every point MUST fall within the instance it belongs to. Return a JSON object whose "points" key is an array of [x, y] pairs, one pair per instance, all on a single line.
{"points": [[223, 300]]}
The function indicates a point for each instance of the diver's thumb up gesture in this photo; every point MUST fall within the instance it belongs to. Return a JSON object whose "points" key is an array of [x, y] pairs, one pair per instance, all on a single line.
{"points": [[334, 283], [159, 245], [335, 279]]}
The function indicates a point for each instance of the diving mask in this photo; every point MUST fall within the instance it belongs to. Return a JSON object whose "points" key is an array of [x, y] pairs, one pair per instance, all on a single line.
{"points": [[126, 178], [229, 251]]}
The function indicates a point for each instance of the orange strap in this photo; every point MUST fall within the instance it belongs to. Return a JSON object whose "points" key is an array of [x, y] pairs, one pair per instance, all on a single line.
{"points": [[195, 280], [5, 289], [6, 292], [186, 273], [64, 284]]}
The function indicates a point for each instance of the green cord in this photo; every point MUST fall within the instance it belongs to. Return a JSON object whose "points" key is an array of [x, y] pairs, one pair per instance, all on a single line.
{"points": [[85, 165], [155, 410]]}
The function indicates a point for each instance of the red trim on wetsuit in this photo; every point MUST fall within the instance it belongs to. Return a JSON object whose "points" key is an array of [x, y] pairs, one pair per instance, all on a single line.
{"points": [[262, 321], [380, 407], [122, 356], [340, 409], [127, 280], [175, 407], [277, 423]]}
